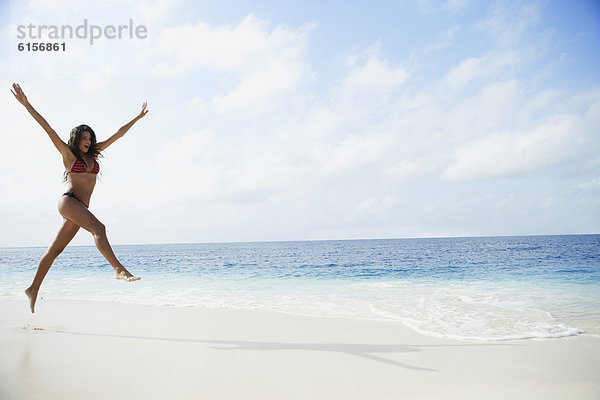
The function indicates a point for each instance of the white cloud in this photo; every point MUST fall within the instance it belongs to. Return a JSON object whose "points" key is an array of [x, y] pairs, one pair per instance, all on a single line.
{"points": [[362, 95], [456, 5], [443, 42], [493, 107], [375, 77], [265, 63], [259, 89], [476, 69], [434, 5], [591, 184], [374, 205], [92, 82], [540, 102], [354, 153], [156, 11], [188, 147], [403, 169], [550, 201], [518, 152], [508, 22], [198, 106], [460, 75]]}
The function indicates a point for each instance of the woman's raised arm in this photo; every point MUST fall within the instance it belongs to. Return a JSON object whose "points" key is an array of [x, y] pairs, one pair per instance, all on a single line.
{"points": [[122, 130], [58, 143]]}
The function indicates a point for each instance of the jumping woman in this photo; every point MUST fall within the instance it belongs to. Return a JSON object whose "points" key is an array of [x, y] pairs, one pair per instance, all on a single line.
{"points": [[81, 167]]}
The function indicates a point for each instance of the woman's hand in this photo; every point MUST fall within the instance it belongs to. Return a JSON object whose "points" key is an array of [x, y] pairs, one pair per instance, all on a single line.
{"points": [[56, 140], [20, 96], [122, 130], [143, 113]]}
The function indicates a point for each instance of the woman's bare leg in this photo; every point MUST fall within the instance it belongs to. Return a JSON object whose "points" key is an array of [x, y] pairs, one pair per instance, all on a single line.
{"points": [[65, 235], [76, 212]]}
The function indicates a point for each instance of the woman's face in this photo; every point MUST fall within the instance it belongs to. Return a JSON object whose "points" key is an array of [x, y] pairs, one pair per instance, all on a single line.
{"points": [[85, 141]]}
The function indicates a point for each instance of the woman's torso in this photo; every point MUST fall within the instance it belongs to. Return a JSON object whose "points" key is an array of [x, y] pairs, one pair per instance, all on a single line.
{"points": [[81, 183]]}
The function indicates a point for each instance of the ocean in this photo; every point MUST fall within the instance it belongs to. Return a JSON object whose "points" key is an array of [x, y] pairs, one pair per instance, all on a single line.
{"points": [[481, 288]]}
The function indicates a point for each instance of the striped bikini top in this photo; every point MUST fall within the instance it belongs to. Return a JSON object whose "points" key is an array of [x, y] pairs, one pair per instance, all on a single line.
{"points": [[79, 168]]}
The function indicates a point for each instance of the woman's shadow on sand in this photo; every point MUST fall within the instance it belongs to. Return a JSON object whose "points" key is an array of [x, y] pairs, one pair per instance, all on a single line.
{"points": [[362, 350]]}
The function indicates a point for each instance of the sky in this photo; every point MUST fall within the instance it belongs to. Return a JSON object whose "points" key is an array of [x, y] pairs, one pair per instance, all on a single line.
{"points": [[309, 120]]}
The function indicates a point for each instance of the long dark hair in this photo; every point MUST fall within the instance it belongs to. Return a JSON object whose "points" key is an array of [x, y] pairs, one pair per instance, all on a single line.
{"points": [[75, 138], [73, 144]]}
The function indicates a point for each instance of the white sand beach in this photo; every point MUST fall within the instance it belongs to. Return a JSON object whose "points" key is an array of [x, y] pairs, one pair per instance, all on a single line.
{"points": [[106, 350]]}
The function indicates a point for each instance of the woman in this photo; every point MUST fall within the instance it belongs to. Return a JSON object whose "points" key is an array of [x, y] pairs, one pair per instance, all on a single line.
{"points": [[81, 167]]}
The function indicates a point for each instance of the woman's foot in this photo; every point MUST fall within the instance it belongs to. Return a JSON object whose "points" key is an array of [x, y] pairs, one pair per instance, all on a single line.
{"points": [[125, 275], [32, 297]]}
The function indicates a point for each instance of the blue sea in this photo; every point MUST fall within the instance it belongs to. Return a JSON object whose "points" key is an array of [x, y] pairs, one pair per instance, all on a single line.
{"points": [[484, 288]]}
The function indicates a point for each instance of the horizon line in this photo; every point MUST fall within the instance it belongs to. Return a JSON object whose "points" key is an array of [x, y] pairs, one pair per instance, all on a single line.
{"points": [[319, 240]]}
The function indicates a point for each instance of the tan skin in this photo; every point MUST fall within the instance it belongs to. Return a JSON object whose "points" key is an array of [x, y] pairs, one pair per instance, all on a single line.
{"points": [[75, 214]]}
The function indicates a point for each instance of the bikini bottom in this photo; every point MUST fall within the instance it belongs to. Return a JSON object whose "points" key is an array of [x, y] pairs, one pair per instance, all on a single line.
{"points": [[71, 194]]}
